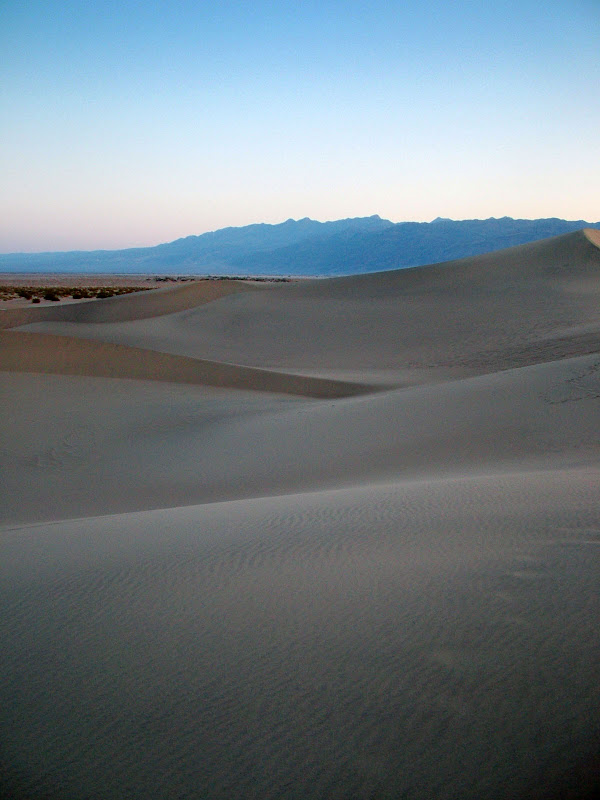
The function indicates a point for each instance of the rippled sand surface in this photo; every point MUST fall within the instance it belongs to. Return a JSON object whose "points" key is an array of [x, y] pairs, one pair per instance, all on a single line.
{"points": [[212, 590], [433, 639]]}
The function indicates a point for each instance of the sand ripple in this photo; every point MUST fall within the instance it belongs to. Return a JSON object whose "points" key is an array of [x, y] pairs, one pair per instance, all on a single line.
{"points": [[433, 639]]}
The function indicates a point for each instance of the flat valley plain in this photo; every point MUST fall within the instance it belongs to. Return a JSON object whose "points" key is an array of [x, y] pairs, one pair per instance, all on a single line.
{"points": [[319, 539]]}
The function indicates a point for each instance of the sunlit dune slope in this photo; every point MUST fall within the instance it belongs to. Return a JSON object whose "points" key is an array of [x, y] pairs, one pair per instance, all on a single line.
{"points": [[593, 235]]}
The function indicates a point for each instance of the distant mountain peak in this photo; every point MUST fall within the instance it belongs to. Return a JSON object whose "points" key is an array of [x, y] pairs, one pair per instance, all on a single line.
{"points": [[306, 247]]}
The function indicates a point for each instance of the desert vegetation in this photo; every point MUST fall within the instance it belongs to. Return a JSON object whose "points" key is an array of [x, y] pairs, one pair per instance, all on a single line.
{"points": [[57, 293], [54, 291]]}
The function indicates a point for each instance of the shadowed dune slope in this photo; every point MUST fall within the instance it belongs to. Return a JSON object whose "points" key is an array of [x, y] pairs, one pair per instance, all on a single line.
{"points": [[47, 353], [137, 305], [527, 304]]}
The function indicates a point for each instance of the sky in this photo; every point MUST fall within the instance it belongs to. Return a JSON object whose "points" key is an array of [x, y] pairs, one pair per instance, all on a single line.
{"points": [[138, 122]]}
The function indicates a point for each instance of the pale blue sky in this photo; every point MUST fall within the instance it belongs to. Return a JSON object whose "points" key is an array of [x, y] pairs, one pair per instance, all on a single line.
{"points": [[134, 123]]}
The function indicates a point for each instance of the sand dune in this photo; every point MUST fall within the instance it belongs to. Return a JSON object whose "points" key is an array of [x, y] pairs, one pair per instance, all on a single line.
{"points": [[334, 538], [130, 306], [437, 639], [65, 355], [593, 235], [524, 305], [100, 446]]}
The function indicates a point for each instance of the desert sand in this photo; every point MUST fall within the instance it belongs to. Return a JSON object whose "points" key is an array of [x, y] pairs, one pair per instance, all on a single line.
{"points": [[324, 539]]}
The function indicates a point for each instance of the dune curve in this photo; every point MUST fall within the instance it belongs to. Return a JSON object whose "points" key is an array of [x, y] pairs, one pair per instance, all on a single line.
{"points": [[137, 305], [47, 353], [534, 302]]}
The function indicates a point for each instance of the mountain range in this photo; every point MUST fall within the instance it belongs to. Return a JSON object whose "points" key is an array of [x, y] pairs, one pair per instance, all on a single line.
{"points": [[305, 247]]}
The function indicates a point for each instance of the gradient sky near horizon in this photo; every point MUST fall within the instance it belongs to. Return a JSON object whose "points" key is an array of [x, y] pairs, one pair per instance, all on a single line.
{"points": [[133, 123]]}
